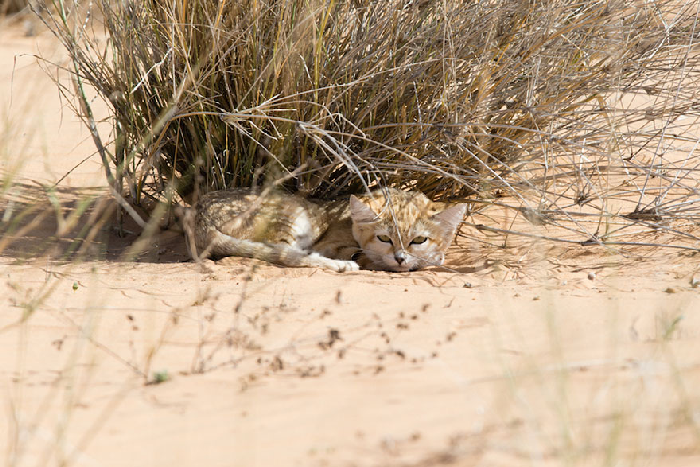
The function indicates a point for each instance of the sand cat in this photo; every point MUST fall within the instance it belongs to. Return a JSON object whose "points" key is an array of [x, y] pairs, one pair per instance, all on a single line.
{"points": [[388, 229]]}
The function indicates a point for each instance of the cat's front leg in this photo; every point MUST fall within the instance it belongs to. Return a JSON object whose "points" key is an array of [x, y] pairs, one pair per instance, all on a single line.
{"points": [[337, 265]]}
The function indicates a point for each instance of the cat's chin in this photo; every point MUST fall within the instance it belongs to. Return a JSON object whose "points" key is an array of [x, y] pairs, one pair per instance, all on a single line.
{"points": [[378, 264], [382, 266], [401, 267]]}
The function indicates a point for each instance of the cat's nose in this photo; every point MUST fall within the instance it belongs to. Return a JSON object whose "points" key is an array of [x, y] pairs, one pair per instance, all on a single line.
{"points": [[400, 257]]}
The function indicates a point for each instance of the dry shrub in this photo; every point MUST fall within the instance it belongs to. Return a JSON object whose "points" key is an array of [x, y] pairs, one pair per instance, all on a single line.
{"points": [[561, 105]]}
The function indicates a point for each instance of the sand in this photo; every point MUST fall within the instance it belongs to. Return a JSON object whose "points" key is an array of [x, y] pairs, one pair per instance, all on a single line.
{"points": [[535, 354]]}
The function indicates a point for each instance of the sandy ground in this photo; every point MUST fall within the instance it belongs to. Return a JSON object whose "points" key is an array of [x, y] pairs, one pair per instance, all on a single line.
{"points": [[526, 355]]}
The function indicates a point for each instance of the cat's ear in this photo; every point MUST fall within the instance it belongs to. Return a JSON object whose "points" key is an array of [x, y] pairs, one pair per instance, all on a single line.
{"points": [[451, 217], [360, 212]]}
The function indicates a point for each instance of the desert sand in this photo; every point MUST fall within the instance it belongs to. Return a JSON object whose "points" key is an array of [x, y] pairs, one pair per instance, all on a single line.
{"points": [[522, 352]]}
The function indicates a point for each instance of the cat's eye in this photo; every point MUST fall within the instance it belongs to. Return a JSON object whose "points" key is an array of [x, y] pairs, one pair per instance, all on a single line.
{"points": [[384, 238], [418, 240]]}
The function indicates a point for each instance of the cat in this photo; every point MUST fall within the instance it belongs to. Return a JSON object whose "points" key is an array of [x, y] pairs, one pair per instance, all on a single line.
{"points": [[388, 229]]}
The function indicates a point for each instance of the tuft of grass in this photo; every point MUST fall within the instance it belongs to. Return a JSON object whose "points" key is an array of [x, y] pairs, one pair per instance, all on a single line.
{"points": [[566, 107], [159, 377]]}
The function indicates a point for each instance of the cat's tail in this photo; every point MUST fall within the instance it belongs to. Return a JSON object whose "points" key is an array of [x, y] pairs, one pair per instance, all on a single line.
{"points": [[220, 244]]}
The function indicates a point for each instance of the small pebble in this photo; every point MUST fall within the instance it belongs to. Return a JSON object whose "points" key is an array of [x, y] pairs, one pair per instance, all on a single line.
{"points": [[670, 290], [591, 276], [536, 297], [694, 282], [467, 285]]}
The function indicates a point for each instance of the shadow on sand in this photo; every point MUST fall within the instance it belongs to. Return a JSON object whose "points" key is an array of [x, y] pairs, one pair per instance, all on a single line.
{"points": [[68, 224]]}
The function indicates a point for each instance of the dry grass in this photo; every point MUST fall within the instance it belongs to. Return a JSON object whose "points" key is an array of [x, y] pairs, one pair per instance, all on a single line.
{"points": [[564, 107], [454, 99]]}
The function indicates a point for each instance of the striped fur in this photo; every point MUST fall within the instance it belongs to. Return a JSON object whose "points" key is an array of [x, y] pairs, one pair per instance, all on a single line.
{"points": [[341, 235]]}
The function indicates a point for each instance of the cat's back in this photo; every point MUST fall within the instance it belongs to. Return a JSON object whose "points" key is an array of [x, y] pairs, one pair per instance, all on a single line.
{"points": [[273, 217]]}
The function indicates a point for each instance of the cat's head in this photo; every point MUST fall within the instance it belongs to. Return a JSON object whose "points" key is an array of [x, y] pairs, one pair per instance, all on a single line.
{"points": [[403, 230]]}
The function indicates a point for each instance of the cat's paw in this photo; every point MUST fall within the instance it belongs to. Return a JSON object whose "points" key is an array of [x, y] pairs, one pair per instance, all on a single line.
{"points": [[337, 265], [345, 266]]}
